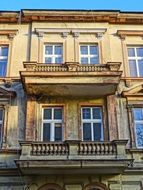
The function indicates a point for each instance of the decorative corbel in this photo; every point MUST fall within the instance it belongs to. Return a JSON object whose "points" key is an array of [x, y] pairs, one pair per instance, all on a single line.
{"points": [[99, 35], [64, 34], [75, 34]]}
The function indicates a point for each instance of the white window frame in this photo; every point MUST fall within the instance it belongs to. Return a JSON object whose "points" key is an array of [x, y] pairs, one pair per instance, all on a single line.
{"points": [[137, 122], [135, 58], [92, 121], [88, 56], [53, 56], [52, 122], [4, 58]]}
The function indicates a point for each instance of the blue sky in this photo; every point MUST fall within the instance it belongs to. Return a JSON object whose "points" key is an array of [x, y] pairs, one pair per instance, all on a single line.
{"points": [[123, 5]]}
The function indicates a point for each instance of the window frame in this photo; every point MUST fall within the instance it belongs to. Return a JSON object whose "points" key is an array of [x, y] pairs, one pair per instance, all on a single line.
{"points": [[92, 121], [137, 122], [5, 57], [53, 56], [88, 56], [134, 58], [52, 122]]}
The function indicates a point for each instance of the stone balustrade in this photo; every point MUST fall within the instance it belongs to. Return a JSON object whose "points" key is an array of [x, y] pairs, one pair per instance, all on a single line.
{"points": [[49, 149]]}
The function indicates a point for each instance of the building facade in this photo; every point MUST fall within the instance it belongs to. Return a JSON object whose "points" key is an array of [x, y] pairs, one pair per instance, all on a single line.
{"points": [[71, 100]]}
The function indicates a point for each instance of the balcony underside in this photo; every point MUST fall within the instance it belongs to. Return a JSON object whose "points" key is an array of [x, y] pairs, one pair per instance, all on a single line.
{"points": [[67, 80], [72, 166], [70, 89]]}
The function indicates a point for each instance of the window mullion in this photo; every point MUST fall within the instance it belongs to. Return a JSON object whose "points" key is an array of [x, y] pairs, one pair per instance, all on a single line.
{"points": [[88, 54], [136, 60]]}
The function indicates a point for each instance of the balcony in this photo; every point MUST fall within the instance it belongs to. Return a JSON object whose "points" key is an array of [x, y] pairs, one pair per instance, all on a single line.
{"points": [[66, 79], [71, 157]]}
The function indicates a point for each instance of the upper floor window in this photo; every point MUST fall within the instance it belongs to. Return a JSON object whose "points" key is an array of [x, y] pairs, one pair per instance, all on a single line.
{"points": [[52, 124], [3, 60], [92, 123], [53, 53], [1, 124], [138, 124], [135, 59], [89, 54]]}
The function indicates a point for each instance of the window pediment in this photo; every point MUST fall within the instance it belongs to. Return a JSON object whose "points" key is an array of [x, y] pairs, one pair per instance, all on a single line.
{"points": [[6, 93], [123, 33], [99, 32], [9, 33], [134, 91]]}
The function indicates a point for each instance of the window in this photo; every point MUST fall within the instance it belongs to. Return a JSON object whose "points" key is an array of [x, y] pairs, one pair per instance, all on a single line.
{"points": [[89, 54], [135, 59], [3, 60], [92, 123], [1, 125], [52, 124], [138, 124], [54, 53]]}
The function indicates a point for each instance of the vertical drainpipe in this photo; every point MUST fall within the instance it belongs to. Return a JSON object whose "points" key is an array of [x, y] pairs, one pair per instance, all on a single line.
{"points": [[28, 57]]}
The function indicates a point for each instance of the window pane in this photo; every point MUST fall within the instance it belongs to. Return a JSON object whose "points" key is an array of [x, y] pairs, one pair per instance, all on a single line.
{"points": [[138, 114], [87, 131], [139, 134], [93, 50], [140, 52], [58, 60], [140, 64], [3, 67], [4, 51], [84, 50], [131, 52], [97, 131], [48, 50], [1, 115], [48, 60], [47, 114], [84, 60], [58, 132], [57, 113], [46, 132], [58, 50], [96, 113], [94, 60], [86, 113], [133, 69]]}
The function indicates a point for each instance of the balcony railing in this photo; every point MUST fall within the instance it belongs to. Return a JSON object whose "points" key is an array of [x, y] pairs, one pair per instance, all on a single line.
{"points": [[73, 150], [69, 66]]}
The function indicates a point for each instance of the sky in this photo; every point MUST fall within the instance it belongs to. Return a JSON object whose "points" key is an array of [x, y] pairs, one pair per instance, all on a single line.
{"points": [[123, 5]]}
